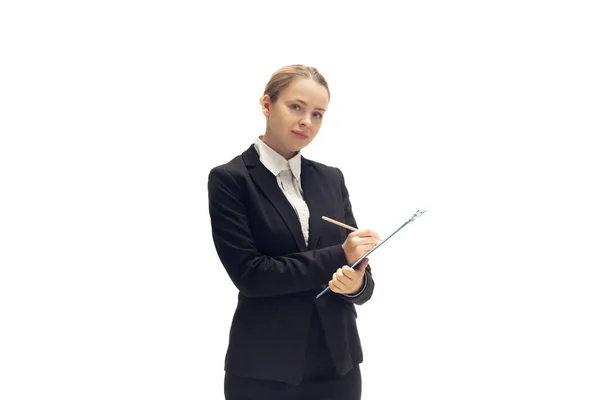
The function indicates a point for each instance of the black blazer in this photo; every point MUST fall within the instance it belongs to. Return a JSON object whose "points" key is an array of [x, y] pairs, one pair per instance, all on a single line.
{"points": [[259, 240]]}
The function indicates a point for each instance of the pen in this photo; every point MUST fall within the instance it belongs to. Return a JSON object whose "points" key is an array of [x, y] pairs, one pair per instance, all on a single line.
{"points": [[338, 223]]}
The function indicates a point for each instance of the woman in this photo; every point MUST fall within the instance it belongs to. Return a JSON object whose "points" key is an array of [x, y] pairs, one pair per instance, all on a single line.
{"points": [[266, 206]]}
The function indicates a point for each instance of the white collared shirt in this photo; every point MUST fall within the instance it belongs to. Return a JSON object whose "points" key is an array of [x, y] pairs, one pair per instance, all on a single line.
{"points": [[288, 182]]}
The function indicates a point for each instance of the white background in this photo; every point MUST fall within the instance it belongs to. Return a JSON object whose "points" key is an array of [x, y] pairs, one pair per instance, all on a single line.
{"points": [[487, 113]]}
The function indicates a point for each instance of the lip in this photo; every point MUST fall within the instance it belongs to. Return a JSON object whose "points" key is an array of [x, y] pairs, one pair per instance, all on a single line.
{"points": [[300, 135]]}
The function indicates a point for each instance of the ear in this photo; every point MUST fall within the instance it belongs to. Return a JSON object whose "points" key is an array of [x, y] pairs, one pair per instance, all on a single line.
{"points": [[266, 103]]}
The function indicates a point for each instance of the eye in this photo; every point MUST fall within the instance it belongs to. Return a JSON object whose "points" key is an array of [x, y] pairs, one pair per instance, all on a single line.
{"points": [[295, 107], [318, 115]]}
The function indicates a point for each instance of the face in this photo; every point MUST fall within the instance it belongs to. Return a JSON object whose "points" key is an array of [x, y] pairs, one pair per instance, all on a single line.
{"points": [[294, 120]]}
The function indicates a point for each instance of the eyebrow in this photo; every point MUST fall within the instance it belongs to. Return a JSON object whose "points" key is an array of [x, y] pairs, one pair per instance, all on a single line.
{"points": [[304, 103]]}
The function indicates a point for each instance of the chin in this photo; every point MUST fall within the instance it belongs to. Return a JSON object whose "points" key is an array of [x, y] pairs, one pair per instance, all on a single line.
{"points": [[299, 148], [303, 143]]}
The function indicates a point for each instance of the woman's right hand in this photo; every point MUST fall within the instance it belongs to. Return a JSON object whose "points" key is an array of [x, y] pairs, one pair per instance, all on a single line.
{"points": [[359, 243]]}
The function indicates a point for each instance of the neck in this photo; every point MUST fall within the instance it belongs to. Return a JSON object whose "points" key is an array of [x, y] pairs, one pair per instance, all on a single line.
{"points": [[266, 138]]}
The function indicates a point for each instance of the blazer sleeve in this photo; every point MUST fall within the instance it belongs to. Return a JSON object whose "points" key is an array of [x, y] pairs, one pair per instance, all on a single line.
{"points": [[253, 273], [366, 291]]}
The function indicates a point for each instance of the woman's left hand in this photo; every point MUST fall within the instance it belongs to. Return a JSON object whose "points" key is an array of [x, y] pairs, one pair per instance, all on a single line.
{"points": [[347, 280]]}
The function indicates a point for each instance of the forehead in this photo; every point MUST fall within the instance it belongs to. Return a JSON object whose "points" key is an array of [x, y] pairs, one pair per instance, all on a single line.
{"points": [[307, 90]]}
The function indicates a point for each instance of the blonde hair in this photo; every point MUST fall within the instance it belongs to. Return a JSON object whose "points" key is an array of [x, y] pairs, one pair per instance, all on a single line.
{"points": [[282, 78]]}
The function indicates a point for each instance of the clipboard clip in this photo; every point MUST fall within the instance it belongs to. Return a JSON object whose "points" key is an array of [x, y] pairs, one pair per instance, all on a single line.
{"points": [[418, 214]]}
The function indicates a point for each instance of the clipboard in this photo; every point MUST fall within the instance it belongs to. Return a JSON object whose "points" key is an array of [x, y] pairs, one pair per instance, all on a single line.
{"points": [[415, 216]]}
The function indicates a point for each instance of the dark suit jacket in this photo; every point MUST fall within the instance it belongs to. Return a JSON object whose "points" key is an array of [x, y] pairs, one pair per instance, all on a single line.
{"points": [[259, 240]]}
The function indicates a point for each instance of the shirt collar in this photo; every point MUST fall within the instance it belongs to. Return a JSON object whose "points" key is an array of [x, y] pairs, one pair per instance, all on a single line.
{"points": [[275, 162]]}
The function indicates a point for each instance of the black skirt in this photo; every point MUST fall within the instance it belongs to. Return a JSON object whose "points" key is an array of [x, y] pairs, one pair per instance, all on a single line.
{"points": [[347, 387]]}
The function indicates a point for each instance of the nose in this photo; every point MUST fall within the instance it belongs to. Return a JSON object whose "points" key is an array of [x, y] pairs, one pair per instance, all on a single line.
{"points": [[305, 121]]}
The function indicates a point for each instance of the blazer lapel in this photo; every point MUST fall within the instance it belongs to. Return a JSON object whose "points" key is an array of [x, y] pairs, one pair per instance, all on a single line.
{"points": [[314, 200], [265, 180]]}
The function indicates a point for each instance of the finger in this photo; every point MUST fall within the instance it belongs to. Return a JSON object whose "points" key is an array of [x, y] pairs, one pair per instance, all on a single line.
{"points": [[367, 247], [342, 278], [335, 287], [362, 266], [364, 249], [348, 272], [336, 280], [352, 274], [370, 241], [340, 281], [367, 233], [363, 233], [357, 272], [332, 287]]}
